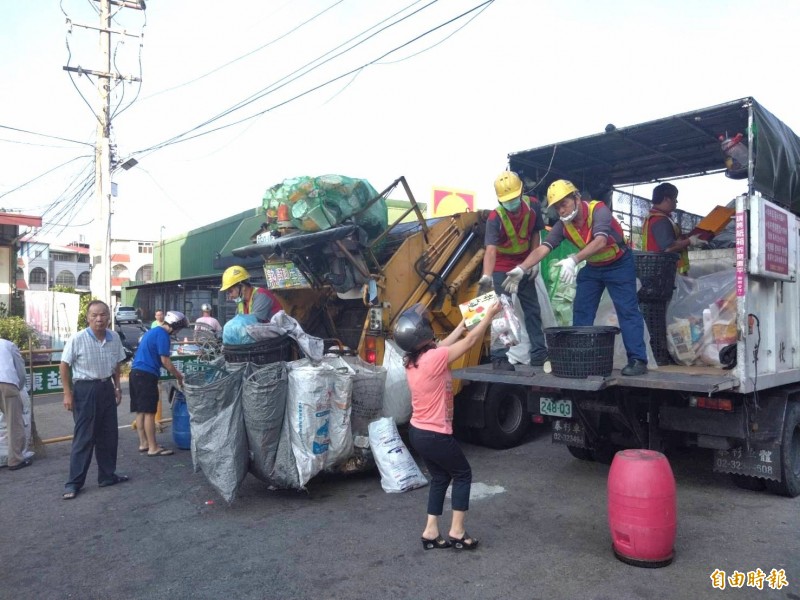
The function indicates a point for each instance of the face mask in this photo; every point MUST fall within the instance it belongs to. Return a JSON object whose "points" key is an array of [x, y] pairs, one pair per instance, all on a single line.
{"points": [[512, 205], [570, 216], [238, 299]]}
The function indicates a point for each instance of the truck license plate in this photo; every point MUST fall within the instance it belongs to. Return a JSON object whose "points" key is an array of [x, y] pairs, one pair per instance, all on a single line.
{"points": [[555, 408]]}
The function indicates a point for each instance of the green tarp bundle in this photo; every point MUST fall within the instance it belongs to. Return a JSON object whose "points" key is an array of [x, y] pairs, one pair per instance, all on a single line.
{"points": [[319, 203]]}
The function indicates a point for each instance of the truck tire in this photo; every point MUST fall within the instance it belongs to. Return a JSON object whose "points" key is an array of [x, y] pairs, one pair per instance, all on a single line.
{"points": [[790, 455], [581, 453], [506, 416]]}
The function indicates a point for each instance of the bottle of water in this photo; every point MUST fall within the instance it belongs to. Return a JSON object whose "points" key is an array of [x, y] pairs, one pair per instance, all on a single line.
{"points": [[735, 152]]}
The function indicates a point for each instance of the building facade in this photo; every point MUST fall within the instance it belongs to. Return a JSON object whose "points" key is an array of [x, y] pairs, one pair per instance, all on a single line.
{"points": [[42, 266]]}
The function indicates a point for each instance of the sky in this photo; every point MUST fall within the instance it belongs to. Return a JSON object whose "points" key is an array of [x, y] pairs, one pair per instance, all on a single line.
{"points": [[440, 103]]}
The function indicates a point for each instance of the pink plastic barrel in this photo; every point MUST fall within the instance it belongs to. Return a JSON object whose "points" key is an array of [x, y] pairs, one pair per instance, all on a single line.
{"points": [[642, 508]]}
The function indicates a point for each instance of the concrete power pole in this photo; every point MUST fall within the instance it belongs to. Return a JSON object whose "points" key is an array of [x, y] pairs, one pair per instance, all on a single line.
{"points": [[100, 282]]}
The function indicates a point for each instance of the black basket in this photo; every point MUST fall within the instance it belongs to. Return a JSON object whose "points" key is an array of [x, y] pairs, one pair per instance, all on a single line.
{"points": [[261, 353], [655, 317], [577, 352], [656, 272]]}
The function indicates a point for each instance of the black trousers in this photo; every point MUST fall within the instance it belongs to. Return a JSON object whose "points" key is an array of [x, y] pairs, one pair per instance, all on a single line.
{"points": [[94, 410], [446, 462]]}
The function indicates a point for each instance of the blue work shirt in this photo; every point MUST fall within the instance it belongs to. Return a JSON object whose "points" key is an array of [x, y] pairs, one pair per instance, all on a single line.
{"points": [[154, 344]]}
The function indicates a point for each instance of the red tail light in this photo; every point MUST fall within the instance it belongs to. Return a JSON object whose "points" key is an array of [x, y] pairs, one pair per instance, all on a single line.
{"points": [[714, 403], [370, 353]]}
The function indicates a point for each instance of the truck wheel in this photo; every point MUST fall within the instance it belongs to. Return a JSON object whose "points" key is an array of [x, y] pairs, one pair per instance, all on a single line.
{"points": [[790, 455], [505, 415], [755, 484], [580, 453]]}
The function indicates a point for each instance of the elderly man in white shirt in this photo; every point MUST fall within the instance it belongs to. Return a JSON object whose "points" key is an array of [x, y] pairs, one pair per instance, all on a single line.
{"points": [[90, 371]]}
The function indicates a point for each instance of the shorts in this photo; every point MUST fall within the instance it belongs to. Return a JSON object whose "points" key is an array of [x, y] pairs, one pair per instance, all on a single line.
{"points": [[143, 388]]}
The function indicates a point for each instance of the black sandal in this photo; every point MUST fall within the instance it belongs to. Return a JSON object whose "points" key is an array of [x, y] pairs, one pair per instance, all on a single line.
{"points": [[436, 544], [464, 543]]}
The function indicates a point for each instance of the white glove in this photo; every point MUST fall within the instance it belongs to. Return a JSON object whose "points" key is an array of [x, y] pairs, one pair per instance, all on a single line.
{"points": [[569, 269], [485, 283], [696, 241], [511, 283], [533, 272]]}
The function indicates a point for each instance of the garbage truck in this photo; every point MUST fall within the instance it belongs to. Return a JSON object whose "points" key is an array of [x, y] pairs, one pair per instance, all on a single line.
{"points": [[348, 285], [746, 409]]}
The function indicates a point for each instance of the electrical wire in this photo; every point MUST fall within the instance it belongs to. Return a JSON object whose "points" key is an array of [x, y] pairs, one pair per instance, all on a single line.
{"points": [[250, 53], [69, 60], [442, 41], [118, 112], [183, 137], [52, 137], [309, 68], [19, 187]]}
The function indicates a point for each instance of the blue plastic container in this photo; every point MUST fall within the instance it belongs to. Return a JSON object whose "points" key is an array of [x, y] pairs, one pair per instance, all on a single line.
{"points": [[181, 433]]}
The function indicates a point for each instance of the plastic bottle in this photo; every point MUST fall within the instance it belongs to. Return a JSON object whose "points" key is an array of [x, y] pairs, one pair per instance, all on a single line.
{"points": [[735, 152], [708, 323]]}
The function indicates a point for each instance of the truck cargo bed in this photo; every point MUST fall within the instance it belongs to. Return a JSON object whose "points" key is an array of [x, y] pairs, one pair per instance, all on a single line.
{"points": [[704, 380]]}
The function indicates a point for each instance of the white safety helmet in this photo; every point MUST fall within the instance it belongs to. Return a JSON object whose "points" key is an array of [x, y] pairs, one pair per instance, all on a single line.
{"points": [[176, 320]]}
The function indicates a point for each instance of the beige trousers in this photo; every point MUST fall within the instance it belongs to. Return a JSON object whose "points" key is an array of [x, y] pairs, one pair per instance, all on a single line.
{"points": [[11, 406]]}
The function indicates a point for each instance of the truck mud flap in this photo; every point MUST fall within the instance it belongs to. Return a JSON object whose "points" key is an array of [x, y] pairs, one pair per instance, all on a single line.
{"points": [[569, 433], [760, 460]]}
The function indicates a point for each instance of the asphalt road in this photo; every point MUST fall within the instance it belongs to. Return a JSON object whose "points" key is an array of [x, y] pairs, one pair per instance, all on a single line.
{"points": [[541, 516]]}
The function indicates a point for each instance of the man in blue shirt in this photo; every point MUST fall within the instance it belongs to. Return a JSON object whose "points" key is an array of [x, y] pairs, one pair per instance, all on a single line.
{"points": [[151, 355]]}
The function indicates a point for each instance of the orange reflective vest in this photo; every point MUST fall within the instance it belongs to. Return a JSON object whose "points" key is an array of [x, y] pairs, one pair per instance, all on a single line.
{"points": [[649, 241], [516, 242], [582, 237], [276, 304]]}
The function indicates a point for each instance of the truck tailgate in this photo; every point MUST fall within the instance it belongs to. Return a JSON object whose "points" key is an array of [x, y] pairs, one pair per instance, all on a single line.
{"points": [[704, 380]]}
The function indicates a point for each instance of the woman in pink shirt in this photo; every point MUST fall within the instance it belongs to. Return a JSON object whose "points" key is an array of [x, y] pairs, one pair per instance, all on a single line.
{"points": [[431, 429]]}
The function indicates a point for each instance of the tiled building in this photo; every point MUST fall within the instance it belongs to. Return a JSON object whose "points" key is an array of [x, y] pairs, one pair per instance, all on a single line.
{"points": [[40, 265]]}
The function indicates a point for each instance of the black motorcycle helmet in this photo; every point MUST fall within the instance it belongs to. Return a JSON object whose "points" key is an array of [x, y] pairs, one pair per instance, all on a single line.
{"points": [[413, 329]]}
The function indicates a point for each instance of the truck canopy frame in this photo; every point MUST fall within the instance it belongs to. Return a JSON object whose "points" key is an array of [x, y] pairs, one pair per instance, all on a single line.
{"points": [[683, 145]]}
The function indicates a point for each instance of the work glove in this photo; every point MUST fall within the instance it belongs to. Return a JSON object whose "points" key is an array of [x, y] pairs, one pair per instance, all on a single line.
{"points": [[696, 241], [485, 284], [513, 277], [569, 269], [534, 271]]}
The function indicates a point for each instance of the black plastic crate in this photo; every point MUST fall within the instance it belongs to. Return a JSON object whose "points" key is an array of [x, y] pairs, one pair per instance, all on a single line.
{"points": [[655, 317], [577, 352], [261, 353], [656, 272]]}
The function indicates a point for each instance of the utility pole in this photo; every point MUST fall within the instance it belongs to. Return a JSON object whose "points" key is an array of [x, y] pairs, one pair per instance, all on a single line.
{"points": [[100, 281]]}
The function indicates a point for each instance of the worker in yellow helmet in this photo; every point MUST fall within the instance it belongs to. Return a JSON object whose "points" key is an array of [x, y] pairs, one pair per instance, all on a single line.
{"points": [[512, 231], [251, 300], [609, 265]]}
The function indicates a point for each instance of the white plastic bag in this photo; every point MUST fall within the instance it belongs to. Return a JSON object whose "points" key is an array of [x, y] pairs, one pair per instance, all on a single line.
{"points": [[399, 472], [397, 394], [318, 413]]}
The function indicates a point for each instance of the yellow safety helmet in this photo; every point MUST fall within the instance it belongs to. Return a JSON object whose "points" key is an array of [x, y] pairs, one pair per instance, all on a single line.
{"points": [[507, 186], [232, 276], [558, 190]]}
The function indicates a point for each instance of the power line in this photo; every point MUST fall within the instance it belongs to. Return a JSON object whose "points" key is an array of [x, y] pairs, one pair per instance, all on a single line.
{"points": [[182, 137], [52, 137], [42, 175], [243, 56], [273, 87]]}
